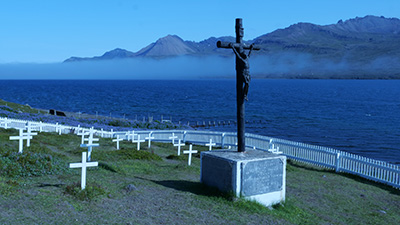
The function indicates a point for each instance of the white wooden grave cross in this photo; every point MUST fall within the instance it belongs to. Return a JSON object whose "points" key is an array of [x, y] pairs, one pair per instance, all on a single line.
{"points": [[179, 146], [83, 133], [29, 133], [127, 135], [210, 145], [21, 139], [138, 141], [273, 149], [89, 146], [40, 126], [90, 139], [5, 123], [130, 135], [83, 165], [117, 140], [112, 133], [173, 137], [190, 152], [90, 143], [58, 128], [149, 138]]}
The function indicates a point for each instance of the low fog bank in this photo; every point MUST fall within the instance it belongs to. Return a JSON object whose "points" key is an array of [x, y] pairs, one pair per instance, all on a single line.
{"points": [[137, 68], [286, 65], [300, 65]]}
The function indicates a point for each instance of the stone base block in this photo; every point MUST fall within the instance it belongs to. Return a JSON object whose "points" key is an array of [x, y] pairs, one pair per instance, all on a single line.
{"points": [[255, 175]]}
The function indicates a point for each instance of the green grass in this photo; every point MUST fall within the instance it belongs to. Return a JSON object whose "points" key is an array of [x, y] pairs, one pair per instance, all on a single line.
{"points": [[126, 153], [91, 191], [167, 190], [18, 108]]}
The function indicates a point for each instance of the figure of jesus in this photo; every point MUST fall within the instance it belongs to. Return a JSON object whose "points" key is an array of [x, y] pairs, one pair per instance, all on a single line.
{"points": [[243, 67]]}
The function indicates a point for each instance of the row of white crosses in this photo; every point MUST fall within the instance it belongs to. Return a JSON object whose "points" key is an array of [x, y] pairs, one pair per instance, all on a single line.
{"points": [[84, 164], [130, 135], [24, 136], [179, 144], [87, 157]]}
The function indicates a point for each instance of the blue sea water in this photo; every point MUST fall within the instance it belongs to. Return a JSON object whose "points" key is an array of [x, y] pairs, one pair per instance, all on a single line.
{"points": [[358, 116]]}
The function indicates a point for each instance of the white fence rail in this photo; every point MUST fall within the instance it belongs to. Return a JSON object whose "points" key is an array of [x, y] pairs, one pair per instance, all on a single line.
{"points": [[339, 161]]}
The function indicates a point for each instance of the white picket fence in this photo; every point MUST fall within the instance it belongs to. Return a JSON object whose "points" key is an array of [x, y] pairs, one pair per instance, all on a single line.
{"points": [[329, 158]]}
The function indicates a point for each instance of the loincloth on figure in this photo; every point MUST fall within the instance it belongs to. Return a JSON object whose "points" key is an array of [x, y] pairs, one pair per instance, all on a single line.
{"points": [[246, 76]]}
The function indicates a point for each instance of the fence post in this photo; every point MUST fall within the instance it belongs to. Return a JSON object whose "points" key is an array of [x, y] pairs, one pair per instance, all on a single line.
{"points": [[184, 136], [223, 140], [337, 162]]}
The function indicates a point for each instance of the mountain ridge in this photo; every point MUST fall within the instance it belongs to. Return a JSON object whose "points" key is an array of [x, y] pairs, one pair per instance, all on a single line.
{"points": [[297, 37], [358, 42]]}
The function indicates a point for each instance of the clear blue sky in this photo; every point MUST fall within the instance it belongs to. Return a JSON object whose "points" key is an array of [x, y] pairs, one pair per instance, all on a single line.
{"points": [[53, 30]]}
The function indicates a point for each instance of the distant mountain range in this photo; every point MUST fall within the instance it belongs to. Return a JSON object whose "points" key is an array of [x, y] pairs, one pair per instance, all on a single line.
{"points": [[358, 42], [168, 46]]}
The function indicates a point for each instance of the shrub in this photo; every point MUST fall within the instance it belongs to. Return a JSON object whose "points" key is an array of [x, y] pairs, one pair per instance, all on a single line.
{"points": [[119, 123], [14, 164], [176, 157], [90, 192], [8, 187], [134, 154]]}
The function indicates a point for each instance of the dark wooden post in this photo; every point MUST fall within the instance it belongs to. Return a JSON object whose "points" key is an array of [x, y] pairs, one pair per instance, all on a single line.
{"points": [[241, 139], [239, 83]]}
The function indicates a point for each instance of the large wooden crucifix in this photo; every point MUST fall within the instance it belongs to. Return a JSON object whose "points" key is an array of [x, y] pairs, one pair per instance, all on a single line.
{"points": [[242, 78]]}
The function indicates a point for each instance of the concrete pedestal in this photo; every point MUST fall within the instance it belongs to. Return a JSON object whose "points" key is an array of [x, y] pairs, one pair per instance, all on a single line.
{"points": [[254, 175]]}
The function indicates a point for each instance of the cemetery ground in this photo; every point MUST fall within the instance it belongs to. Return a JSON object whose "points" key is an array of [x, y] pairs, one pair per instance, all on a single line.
{"points": [[155, 186]]}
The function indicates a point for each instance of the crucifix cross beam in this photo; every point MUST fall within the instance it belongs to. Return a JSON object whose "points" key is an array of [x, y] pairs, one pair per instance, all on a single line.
{"points": [[242, 78], [225, 44]]}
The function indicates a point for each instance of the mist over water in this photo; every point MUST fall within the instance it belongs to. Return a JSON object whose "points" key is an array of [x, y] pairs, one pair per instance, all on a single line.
{"points": [[274, 65], [303, 65], [137, 68]]}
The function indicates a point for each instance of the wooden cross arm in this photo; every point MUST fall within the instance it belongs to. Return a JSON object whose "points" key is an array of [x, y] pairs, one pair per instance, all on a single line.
{"points": [[79, 165], [224, 44], [89, 145], [18, 137]]}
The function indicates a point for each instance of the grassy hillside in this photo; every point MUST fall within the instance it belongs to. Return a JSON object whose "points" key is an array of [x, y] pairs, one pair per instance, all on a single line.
{"points": [[156, 186], [25, 112]]}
